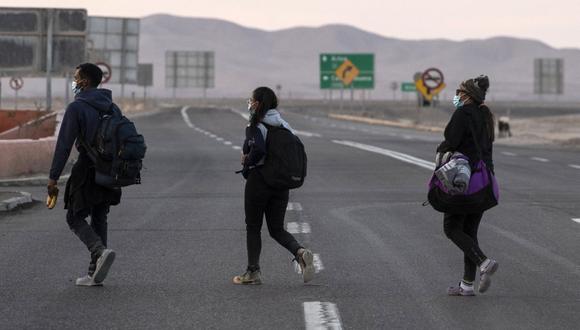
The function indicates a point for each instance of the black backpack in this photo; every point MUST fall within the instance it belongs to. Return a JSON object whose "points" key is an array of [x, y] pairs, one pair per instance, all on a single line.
{"points": [[285, 163], [117, 150]]}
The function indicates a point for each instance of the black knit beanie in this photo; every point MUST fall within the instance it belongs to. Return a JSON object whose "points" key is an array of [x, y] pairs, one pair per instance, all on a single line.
{"points": [[475, 88]]}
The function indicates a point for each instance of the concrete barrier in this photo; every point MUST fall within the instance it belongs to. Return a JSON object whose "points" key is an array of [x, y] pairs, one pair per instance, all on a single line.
{"points": [[13, 118], [25, 157]]}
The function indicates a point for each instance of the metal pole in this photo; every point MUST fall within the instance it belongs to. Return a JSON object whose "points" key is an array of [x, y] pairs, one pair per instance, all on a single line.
{"points": [[49, 34], [16, 100], [0, 92], [123, 58], [67, 89], [174, 76]]}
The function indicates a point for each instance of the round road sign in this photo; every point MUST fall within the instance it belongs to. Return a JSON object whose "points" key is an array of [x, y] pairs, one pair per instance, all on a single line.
{"points": [[432, 78], [107, 72], [16, 83]]}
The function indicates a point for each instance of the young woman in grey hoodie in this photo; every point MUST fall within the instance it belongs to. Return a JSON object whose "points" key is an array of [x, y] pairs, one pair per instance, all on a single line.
{"points": [[261, 199]]}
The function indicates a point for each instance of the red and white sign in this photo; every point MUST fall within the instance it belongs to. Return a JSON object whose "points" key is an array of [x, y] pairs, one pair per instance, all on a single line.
{"points": [[432, 78], [16, 83], [107, 72]]}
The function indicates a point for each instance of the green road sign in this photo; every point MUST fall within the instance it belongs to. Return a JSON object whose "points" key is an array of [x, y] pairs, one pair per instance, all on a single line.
{"points": [[345, 71], [408, 87]]}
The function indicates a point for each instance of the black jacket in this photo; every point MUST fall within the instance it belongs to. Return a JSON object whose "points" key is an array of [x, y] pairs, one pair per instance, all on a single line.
{"points": [[81, 120], [458, 135]]}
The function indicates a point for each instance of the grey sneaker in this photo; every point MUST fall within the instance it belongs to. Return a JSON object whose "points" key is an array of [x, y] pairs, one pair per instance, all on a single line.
{"points": [[249, 278], [459, 291], [485, 275], [87, 281], [103, 265], [306, 262]]}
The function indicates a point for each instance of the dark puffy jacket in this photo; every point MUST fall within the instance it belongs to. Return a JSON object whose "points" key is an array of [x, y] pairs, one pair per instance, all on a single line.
{"points": [[458, 136]]}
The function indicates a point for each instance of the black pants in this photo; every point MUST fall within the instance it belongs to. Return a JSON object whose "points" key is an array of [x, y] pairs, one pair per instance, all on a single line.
{"points": [[260, 200], [462, 230], [94, 236]]}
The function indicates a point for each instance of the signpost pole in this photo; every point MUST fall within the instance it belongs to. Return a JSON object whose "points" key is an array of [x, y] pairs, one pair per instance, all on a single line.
{"points": [[16, 99], [49, 34], [123, 58], [67, 89], [0, 92]]}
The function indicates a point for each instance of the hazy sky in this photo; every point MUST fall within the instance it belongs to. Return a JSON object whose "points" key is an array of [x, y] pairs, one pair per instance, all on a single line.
{"points": [[555, 22]]}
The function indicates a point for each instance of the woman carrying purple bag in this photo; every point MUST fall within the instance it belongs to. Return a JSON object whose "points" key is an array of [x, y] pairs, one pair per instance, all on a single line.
{"points": [[471, 120]]}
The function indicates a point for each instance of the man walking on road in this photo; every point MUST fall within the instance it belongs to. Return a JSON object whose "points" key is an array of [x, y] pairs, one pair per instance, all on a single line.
{"points": [[82, 196]]}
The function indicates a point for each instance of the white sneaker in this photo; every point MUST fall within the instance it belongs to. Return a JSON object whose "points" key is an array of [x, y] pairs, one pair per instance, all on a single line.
{"points": [[103, 265], [87, 281], [306, 262]]}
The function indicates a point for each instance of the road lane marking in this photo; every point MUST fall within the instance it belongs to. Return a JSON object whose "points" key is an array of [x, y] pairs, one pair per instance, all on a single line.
{"points": [[308, 134], [186, 117], [237, 147], [321, 315], [575, 166], [393, 154], [507, 153], [538, 159], [576, 220], [294, 207], [219, 139], [227, 143], [298, 227]]}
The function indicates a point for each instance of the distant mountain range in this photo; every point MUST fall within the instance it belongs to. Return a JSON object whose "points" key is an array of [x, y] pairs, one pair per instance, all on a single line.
{"points": [[246, 58]]}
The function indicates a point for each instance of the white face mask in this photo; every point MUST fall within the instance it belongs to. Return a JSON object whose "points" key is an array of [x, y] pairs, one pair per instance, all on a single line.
{"points": [[75, 88], [457, 103]]}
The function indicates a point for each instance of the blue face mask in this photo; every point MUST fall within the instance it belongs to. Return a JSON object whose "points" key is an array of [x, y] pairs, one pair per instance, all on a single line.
{"points": [[457, 103]]}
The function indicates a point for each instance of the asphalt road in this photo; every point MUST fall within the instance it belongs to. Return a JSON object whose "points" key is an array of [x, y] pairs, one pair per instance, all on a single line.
{"points": [[383, 259]]}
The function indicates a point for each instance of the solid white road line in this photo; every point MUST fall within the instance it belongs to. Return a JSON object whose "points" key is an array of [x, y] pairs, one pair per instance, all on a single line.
{"points": [[576, 220], [393, 154], [575, 166], [298, 227], [308, 134], [186, 117], [507, 153], [321, 315], [294, 207], [538, 159]]}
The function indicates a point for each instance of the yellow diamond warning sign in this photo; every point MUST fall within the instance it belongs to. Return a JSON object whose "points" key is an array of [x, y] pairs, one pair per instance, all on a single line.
{"points": [[346, 72]]}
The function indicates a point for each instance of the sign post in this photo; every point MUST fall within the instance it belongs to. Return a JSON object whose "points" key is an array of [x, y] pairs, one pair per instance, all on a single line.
{"points": [[347, 71], [145, 77], [16, 84], [190, 69], [430, 84]]}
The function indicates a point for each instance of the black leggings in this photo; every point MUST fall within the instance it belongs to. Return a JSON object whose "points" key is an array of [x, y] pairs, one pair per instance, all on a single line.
{"points": [[462, 230], [260, 200]]}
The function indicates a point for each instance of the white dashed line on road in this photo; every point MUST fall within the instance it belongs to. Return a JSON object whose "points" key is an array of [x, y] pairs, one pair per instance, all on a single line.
{"points": [[577, 220], [321, 315], [538, 159], [575, 166], [507, 153], [294, 207], [298, 227], [227, 143], [237, 148]]}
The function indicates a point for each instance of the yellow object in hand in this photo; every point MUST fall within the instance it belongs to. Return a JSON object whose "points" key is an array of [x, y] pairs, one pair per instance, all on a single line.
{"points": [[51, 198]]}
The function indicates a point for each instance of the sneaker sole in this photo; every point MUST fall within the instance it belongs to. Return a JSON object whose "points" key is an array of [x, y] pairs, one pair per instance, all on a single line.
{"points": [[102, 271], [484, 285], [238, 281], [89, 285], [308, 271]]}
